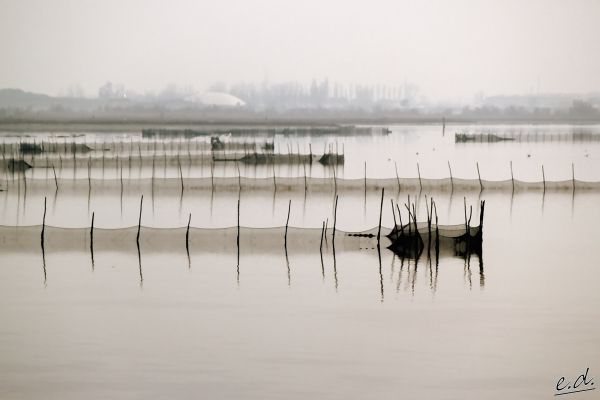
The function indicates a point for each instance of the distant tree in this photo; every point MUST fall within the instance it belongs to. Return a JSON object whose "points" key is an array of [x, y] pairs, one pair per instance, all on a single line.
{"points": [[106, 91], [581, 108]]}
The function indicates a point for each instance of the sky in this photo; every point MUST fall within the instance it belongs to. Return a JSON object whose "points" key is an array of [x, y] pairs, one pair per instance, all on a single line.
{"points": [[450, 49]]}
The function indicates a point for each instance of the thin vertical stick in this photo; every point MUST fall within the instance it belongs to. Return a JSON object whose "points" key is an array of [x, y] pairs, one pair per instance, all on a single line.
{"points": [[92, 240], [400, 219], [393, 213], [287, 222], [573, 172], [466, 222], [55, 179], [305, 181], [544, 178], [397, 176], [140, 221], [380, 215], [365, 177], [334, 217], [419, 172], [512, 177], [180, 174], [238, 225], [274, 179], [480, 184], [451, 178], [322, 235], [43, 223], [187, 233]]}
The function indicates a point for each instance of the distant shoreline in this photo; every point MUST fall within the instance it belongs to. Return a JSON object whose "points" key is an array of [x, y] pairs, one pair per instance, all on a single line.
{"points": [[129, 125]]}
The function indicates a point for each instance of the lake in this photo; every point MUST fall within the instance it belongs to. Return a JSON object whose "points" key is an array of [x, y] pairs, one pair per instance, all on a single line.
{"points": [[275, 317]]}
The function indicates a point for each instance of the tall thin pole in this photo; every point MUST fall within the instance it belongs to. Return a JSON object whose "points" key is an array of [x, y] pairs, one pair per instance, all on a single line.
{"points": [[140, 221], [380, 215], [544, 178], [334, 217], [287, 223], [512, 177], [55, 179], [43, 224], [451, 178]]}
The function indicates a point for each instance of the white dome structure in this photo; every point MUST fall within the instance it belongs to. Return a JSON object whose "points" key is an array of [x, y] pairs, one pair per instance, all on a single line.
{"points": [[217, 99]]}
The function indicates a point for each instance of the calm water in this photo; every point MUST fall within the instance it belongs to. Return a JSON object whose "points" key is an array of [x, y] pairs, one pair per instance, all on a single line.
{"points": [[360, 326]]}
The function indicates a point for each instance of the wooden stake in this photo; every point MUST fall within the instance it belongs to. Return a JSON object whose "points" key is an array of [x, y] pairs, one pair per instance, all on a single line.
{"points": [[322, 235], [55, 180], [419, 172], [480, 184], [43, 224], [512, 178], [380, 215], [287, 222], [238, 225], [187, 233], [544, 178], [365, 177], [400, 219], [466, 222], [334, 217], [305, 181], [180, 173], [92, 239], [451, 179], [393, 213], [140, 221], [573, 171]]}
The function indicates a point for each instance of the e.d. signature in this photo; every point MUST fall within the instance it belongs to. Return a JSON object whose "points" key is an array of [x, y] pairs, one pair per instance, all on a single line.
{"points": [[581, 384]]}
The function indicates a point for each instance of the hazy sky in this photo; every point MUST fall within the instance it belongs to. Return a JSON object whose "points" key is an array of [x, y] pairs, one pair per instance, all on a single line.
{"points": [[450, 49]]}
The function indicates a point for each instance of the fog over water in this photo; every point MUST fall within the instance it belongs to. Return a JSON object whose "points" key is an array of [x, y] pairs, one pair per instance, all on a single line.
{"points": [[449, 50]]}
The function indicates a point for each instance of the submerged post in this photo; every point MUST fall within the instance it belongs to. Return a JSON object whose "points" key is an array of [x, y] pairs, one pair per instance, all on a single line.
{"points": [[400, 219], [466, 222], [287, 223], [573, 172], [180, 174], [238, 225], [187, 233], [334, 217], [365, 177], [322, 235], [393, 214], [451, 179], [481, 216], [419, 172], [512, 177], [92, 231], [140, 221], [479, 175], [305, 181], [55, 179], [544, 178], [43, 224], [380, 215]]}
